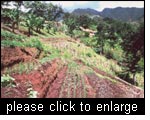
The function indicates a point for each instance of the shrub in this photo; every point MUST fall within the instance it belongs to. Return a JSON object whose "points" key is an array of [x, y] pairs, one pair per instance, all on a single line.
{"points": [[86, 34], [96, 49], [89, 41], [78, 33], [88, 54], [34, 42], [115, 53], [54, 30], [7, 80]]}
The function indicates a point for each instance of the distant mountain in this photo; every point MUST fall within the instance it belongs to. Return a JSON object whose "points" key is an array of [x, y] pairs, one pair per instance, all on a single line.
{"points": [[125, 14], [88, 11], [119, 13]]}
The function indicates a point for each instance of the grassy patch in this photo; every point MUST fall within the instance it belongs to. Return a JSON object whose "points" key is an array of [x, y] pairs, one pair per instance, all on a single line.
{"points": [[11, 43], [21, 68], [115, 53], [78, 33], [32, 42], [6, 35], [140, 79], [66, 54], [89, 41], [50, 53], [73, 65], [89, 57]]}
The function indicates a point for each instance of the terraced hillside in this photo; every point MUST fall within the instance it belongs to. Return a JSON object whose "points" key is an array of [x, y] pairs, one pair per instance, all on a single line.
{"points": [[58, 67]]}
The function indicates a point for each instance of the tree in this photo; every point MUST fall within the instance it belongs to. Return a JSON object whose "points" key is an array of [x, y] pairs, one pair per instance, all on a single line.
{"points": [[84, 21], [48, 25], [46, 10], [102, 35], [37, 8], [96, 19], [134, 47], [30, 21], [18, 5], [71, 21], [12, 16], [54, 12], [39, 23]]}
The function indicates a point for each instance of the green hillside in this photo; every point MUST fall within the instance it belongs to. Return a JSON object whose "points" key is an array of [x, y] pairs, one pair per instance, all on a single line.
{"points": [[78, 58]]}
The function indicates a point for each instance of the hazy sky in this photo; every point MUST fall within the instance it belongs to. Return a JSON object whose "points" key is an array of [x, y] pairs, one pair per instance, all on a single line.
{"points": [[98, 5]]}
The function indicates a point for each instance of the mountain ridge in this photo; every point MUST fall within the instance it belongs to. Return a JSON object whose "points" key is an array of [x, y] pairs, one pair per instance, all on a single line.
{"points": [[89, 11], [119, 13]]}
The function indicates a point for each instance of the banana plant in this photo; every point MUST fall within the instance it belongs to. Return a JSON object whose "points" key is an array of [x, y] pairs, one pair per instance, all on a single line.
{"points": [[39, 22], [12, 14], [30, 21], [18, 5]]}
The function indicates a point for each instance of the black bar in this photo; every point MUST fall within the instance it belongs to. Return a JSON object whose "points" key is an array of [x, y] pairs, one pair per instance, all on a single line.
{"points": [[72, 106]]}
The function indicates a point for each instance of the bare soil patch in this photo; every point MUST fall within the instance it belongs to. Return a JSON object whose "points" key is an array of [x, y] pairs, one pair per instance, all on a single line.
{"points": [[108, 89], [46, 80], [14, 55]]}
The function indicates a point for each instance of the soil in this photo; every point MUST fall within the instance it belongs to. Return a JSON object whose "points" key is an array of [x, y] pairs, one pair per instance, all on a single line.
{"points": [[20, 91], [91, 91], [14, 55], [105, 88], [108, 89], [53, 80], [47, 80]]}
